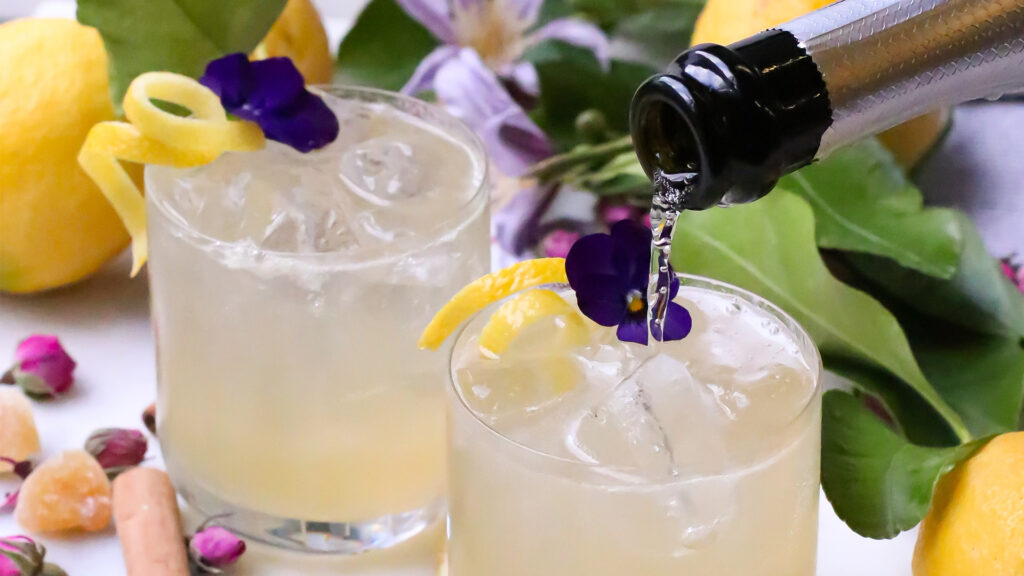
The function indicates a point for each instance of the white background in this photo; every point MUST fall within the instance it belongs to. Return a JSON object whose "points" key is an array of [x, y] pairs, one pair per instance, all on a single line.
{"points": [[104, 323]]}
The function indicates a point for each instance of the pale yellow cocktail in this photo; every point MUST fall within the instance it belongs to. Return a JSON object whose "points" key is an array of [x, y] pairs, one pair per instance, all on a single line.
{"points": [[288, 291], [587, 456]]}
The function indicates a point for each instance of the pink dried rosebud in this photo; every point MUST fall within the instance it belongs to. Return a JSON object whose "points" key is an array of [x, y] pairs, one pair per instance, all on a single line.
{"points": [[612, 213], [117, 449], [149, 418], [558, 242], [41, 367], [21, 556], [214, 547], [9, 502]]}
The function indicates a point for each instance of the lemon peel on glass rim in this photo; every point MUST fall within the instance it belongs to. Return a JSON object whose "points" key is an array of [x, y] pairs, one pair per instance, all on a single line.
{"points": [[154, 136], [487, 290], [526, 309]]}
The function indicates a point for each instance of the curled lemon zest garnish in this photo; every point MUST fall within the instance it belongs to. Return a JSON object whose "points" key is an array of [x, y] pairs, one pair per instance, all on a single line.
{"points": [[487, 290], [153, 136], [514, 316]]}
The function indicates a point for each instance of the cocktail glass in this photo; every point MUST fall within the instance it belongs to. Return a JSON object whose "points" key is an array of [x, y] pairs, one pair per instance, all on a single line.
{"points": [[693, 457], [288, 292]]}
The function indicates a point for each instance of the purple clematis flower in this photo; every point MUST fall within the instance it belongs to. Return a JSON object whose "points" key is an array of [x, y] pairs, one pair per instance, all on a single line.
{"points": [[499, 31], [471, 92], [610, 274], [272, 93]]}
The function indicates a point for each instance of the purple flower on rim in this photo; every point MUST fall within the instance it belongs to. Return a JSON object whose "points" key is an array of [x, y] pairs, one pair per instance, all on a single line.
{"points": [[610, 274], [272, 93], [41, 367]]}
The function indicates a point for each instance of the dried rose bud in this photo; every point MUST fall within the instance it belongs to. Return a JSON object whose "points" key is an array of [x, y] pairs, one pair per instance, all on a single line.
{"points": [[558, 242], [117, 449], [9, 502], [41, 367], [149, 418], [214, 547], [21, 469], [21, 556]]}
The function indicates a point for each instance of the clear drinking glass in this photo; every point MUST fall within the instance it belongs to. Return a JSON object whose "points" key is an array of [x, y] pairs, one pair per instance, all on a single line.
{"points": [[692, 457], [288, 293]]}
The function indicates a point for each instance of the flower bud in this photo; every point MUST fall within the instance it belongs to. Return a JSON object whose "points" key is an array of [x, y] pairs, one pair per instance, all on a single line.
{"points": [[558, 242], [117, 449], [214, 547], [20, 556], [9, 502], [149, 418], [41, 367], [592, 126]]}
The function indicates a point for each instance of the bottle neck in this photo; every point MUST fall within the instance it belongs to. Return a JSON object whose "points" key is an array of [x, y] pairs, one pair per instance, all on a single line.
{"points": [[737, 117], [744, 115]]}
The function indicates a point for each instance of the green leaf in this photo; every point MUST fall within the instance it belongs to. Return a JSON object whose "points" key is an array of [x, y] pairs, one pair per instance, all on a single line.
{"points": [[383, 48], [863, 203], [768, 248], [174, 35], [611, 12], [981, 376], [912, 417], [572, 81], [877, 482], [979, 297], [656, 36]]}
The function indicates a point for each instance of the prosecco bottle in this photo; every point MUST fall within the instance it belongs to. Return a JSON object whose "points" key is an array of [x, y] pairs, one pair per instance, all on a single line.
{"points": [[724, 123]]}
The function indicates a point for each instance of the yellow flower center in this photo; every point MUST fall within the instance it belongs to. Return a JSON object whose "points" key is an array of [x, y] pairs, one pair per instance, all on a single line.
{"points": [[493, 30], [636, 302]]}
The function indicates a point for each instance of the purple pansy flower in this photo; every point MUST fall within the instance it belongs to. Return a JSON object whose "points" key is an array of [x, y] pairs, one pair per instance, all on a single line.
{"points": [[610, 274], [499, 31], [41, 367], [214, 547], [272, 93]]}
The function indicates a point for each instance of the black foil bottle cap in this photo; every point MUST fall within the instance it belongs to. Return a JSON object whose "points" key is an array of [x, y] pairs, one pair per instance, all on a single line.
{"points": [[740, 117]]}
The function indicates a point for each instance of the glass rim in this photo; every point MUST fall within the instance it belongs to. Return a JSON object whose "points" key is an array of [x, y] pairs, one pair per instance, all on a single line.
{"points": [[460, 218], [809, 351]]}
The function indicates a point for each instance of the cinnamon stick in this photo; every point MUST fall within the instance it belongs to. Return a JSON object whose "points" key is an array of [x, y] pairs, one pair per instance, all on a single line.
{"points": [[148, 524]]}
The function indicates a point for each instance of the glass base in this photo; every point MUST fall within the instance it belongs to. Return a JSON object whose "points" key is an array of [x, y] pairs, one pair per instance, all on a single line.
{"points": [[314, 537]]}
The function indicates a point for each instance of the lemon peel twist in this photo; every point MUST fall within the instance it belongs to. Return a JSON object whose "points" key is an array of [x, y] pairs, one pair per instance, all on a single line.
{"points": [[153, 136]]}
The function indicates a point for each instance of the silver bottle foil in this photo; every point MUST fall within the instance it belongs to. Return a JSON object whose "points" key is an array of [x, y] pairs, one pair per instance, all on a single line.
{"points": [[887, 61]]}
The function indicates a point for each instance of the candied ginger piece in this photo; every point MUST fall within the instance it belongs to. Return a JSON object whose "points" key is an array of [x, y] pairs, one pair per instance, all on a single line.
{"points": [[19, 438], [67, 492]]}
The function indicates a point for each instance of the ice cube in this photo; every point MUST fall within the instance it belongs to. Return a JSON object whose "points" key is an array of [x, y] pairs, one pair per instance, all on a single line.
{"points": [[381, 171], [658, 421]]}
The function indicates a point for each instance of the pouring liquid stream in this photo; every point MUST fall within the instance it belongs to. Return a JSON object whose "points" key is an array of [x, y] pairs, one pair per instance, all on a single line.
{"points": [[669, 195]]}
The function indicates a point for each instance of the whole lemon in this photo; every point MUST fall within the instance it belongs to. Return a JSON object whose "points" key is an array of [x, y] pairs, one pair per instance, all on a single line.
{"points": [[975, 526], [299, 34], [55, 226], [728, 21]]}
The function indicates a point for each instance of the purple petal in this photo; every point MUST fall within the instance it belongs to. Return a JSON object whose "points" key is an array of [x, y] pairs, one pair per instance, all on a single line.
{"points": [[471, 92], [524, 75], [633, 251], [591, 255], [633, 330], [606, 308], [526, 10], [9, 502], [279, 84], [423, 78], [231, 78], [678, 324], [515, 222], [307, 126], [433, 15], [578, 33]]}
